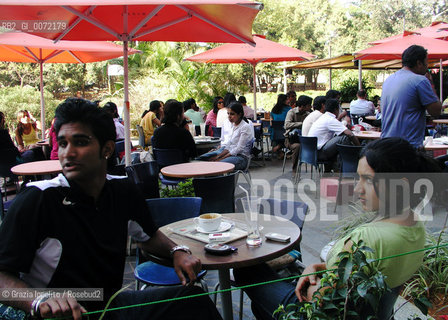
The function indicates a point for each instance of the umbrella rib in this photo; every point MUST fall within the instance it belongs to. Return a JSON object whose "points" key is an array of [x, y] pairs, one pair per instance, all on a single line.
{"points": [[199, 16], [93, 21], [74, 56], [32, 54], [74, 24], [145, 20], [52, 55], [163, 26]]}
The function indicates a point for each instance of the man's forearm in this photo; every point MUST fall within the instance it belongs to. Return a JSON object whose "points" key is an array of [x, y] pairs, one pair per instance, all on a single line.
{"points": [[8, 280], [159, 245]]}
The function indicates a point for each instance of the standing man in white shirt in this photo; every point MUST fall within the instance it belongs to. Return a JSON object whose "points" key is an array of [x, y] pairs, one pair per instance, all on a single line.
{"points": [[329, 132]]}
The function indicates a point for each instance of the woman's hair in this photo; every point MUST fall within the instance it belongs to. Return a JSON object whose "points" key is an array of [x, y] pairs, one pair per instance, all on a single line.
{"points": [[172, 110], [281, 103], [396, 160], [20, 125], [237, 107], [86, 112], [111, 108], [154, 106], [215, 103], [228, 98]]}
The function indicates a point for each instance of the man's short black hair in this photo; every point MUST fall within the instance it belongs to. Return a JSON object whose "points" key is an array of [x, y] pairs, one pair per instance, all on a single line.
{"points": [[291, 93], [242, 99], [171, 111], [331, 105], [413, 54], [86, 112], [318, 102], [304, 101], [362, 93], [332, 94]]}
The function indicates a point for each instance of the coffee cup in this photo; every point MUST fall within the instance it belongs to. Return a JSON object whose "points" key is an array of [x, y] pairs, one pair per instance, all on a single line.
{"points": [[208, 221]]}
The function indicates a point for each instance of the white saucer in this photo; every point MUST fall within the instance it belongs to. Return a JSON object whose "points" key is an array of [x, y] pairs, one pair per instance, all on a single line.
{"points": [[223, 227]]}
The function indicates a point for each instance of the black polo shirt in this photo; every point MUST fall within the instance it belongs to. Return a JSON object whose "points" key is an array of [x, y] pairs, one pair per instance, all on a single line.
{"points": [[57, 237]]}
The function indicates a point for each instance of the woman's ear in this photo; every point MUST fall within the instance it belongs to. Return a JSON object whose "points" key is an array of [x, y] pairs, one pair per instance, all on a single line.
{"points": [[108, 149]]}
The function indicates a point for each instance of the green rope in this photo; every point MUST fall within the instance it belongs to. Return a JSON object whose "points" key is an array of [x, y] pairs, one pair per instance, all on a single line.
{"points": [[249, 285]]}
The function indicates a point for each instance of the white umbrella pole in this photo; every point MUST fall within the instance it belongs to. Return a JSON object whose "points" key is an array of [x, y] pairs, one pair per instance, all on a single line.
{"points": [[127, 127], [441, 81], [359, 74], [285, 81], [255, 91], [42, 102]]}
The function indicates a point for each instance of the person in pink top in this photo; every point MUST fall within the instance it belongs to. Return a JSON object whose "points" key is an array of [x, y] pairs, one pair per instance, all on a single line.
{"points": [[218, 103], [53, 140]]}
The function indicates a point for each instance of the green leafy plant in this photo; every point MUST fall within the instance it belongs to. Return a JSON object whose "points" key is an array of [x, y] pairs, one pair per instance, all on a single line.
{"points": [[352, 291], [349, 88], [183, 189]]}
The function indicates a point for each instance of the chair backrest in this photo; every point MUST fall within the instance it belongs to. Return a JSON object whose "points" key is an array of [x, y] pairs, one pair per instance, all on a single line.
{"points": [[167, 210], [146, 177], [258, 132], [349, 156], [141, 136], [217, 193], [295, 211], [308, 150], [278, 130], [167, 157], [216, 132], [117, 170], [119, 148]]}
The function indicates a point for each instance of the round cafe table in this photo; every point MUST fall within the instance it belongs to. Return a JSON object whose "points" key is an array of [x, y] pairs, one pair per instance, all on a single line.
{"points": [[197, 169], [37, 168], [440, 121], [244, 257]]}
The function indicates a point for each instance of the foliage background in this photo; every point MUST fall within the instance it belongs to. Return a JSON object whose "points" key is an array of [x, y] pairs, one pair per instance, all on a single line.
{"points": [[322, 27]]}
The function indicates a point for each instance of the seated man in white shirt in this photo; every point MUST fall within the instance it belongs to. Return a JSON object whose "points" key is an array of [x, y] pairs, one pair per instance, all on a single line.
{"points": [[362, 107], [249, 113], [319, 109], [329, 132]]}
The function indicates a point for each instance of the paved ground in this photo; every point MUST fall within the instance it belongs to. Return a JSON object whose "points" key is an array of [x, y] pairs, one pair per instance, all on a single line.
{"points": [[317, 231]]}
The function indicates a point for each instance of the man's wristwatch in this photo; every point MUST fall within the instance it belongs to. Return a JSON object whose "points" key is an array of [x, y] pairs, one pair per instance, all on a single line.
{"points": [[180, 248], [35, 312]]}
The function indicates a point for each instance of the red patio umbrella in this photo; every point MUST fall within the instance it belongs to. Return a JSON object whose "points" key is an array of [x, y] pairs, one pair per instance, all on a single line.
{"points": [[128, 20], [390, 50], [23, 47], [263, 51]]}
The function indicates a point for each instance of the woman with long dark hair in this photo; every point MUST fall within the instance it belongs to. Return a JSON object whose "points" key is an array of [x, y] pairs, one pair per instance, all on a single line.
{"points": [[395, 229], [237, 149], [218, 103], [152, 119]]}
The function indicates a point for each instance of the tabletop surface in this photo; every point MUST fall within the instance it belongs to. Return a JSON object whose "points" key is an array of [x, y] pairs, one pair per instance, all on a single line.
{"points": [[37, 167], [197, 169], [245, 256], [371, 118], [367, 134], [443, 121]]}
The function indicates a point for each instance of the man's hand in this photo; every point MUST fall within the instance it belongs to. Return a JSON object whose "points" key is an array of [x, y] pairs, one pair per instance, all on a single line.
{"points": [[185, 263], [308, 281], [61, 307]]}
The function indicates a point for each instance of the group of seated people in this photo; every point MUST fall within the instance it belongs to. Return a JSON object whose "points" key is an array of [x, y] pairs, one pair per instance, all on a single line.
{"points": [[328, 122], [41, 245]]}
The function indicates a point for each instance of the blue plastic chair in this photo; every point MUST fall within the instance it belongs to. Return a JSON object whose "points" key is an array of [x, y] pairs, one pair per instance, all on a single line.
{"points": [[141, 137], [216, 132], [349, 156], [308, 155], [220, 200], [168, 157], [165, 211]]}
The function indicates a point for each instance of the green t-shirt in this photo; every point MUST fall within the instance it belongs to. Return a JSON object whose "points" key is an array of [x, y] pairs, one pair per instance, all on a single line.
{"points": [[194, 116], [388, 239]]}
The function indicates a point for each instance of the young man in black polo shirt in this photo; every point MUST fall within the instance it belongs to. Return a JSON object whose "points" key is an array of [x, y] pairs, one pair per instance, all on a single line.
{"points": [[71, 231]]}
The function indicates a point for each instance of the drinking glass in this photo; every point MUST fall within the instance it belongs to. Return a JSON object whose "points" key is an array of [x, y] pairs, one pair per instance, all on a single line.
{"points": [[202, 125], [192, 129], [251, 207]]}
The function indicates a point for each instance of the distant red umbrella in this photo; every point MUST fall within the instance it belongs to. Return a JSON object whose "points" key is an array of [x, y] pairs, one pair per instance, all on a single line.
{"points": [[437, 30], [263, 51], [23, 47], [129, 20], [390, 50]]}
